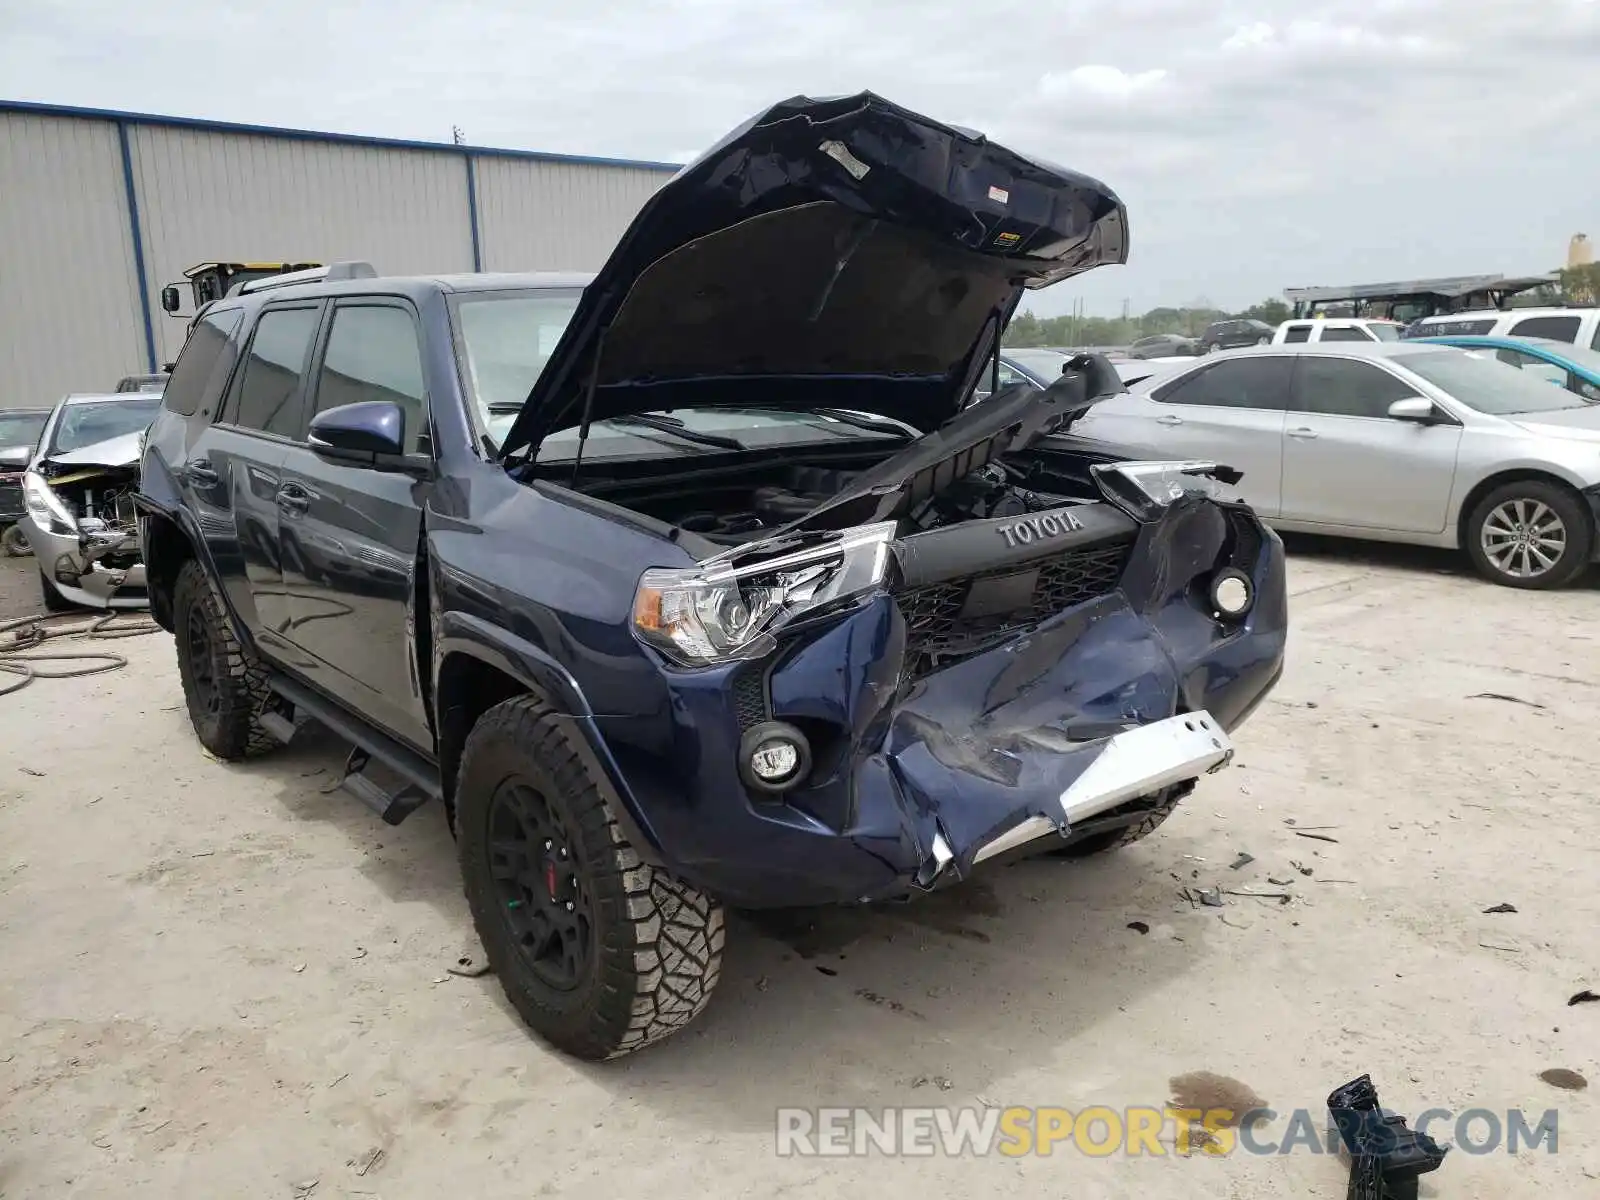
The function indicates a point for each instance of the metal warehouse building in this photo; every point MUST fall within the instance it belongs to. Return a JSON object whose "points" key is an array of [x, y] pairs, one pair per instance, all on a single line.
{"points": [[99, 209]]}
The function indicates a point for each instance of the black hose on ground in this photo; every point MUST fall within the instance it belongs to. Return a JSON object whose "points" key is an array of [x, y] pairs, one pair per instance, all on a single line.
{"points": [[19, 636]]}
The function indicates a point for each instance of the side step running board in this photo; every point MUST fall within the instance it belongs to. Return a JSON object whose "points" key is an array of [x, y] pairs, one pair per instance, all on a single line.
{"points": [[393, 806], [418, 778]]}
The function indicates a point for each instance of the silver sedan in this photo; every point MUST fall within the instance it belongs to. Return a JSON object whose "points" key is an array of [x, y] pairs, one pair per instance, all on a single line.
{"points": [[1398, 442]]}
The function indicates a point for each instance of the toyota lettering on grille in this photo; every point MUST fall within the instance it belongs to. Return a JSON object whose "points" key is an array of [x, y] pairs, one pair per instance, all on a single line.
{"points": [[1040, 528]]}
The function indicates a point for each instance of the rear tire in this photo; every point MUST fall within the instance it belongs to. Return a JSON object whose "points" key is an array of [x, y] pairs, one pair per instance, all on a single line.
{"points": [[599, 952], [1516, 527], [224, 685], [1263, 341], [54, 601]]}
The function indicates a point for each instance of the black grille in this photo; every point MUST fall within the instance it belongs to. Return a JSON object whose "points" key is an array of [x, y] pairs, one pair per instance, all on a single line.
{"points": [[12, 506], [949, 621], [749, 698]]}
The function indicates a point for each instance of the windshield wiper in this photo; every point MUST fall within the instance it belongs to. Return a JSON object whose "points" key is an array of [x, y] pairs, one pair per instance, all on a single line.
{"points": [[676, 428], [501, 408], [862, 421]]}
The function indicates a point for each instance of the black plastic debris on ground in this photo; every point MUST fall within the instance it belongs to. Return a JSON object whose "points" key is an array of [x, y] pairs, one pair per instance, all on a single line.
{"points": [[1138, 927], [1501, 908], [1583, 997], [1385, 1157], [1244, 860]]}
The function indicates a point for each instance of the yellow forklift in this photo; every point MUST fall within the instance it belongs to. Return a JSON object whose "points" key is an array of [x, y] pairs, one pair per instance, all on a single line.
{"points": [[213, 280]]}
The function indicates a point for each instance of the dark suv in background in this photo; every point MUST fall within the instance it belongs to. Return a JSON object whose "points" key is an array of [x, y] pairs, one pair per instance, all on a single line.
{"points": [[1229, 335], [701, 582]]}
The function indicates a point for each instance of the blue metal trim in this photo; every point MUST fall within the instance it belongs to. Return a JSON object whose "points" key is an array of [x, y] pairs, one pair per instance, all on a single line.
{"points": [[472, 212], [138, 246], [307, 135]]}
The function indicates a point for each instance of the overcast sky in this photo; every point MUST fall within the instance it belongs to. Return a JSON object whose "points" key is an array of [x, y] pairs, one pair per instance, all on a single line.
{"points": [[1258, 144]]}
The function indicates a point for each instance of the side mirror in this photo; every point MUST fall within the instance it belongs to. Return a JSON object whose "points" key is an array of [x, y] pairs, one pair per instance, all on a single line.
{"points": [[15, 458], [171, 299], [1416, 410], [370, 433]]}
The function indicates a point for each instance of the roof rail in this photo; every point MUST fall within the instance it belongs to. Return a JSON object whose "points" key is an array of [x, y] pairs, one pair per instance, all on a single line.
{"points": [[328, 274]]}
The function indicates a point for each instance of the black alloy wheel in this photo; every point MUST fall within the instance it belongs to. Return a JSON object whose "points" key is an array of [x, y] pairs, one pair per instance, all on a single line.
{"points": [[547, 902]]}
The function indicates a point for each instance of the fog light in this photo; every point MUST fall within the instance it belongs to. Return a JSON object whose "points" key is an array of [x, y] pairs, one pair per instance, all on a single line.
{"points": [[774, 757], [1231, 594]]}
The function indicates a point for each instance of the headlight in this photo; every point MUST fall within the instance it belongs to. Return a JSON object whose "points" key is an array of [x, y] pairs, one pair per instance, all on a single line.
{"points": [[1144, 489], [47, 507], [728, 609]]}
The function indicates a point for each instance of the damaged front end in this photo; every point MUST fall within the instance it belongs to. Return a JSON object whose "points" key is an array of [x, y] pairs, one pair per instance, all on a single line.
{"points": [[904, 699], [82, 525]]}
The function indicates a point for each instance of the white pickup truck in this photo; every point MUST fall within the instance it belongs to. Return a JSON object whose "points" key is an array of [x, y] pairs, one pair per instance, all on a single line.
{"points": [[1337, 329]]}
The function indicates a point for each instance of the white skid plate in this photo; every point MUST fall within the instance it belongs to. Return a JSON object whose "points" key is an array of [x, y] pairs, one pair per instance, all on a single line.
{"points": [[1143, 760]]}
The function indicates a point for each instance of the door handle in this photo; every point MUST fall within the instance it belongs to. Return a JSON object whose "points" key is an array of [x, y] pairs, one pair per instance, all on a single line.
{"points": [[1169, 419], [1303, 434], [200, 471], [292, 500]]}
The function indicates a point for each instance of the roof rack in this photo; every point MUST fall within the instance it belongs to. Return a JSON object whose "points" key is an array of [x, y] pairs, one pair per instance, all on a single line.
{"points": [[328, 274]]}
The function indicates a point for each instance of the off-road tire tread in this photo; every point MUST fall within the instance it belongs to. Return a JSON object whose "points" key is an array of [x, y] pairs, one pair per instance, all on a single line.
{"points": [[1116, 839], [1580, 533], [661, 940], [243, 679]]}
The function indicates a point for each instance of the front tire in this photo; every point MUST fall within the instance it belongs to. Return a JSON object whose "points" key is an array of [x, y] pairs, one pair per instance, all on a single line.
{"points": [[1530, 534], [601, 953], [1263, 341], [16, 542], [1127, 835], [224, 685], [53, 600]]}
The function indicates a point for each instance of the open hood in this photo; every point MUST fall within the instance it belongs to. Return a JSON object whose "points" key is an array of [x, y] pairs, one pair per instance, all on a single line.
{"points": [[843, 252], [120, 451]]}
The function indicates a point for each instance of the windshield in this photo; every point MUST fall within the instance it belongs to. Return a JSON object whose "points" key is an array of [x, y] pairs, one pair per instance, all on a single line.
{"points": [[85, 424], [1383, 332], [21, 429], [1488, 385], [506, 338]]}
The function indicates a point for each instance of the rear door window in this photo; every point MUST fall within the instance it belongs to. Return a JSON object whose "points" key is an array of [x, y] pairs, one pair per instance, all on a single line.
{"points": [[202, 368], [1557, 329], [1297, 333], [1258, 383], [1342, 387], [268, 394]]}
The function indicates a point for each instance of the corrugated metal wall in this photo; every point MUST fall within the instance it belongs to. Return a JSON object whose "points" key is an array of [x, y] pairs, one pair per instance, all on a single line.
{"points": [[217, 196], [69, 297], [552, 216], [70, 311]]}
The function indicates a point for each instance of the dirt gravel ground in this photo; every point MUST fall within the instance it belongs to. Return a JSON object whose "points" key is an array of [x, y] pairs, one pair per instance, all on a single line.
{"points": [[223, 981]]}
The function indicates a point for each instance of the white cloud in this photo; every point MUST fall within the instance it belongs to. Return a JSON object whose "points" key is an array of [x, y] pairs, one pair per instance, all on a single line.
{"points": [[1101, 82], [1392, 139]]}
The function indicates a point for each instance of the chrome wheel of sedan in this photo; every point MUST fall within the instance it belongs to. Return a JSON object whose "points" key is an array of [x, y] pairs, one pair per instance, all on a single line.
{"points": [[1530, 533], [1524, 537]]}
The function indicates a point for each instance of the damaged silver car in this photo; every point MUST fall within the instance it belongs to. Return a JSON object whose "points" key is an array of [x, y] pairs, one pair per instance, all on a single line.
{"points": [[78, 491]]}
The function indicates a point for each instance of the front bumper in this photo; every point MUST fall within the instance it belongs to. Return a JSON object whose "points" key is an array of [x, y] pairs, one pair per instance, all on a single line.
{"points": [[92, 568], [1007, 751]]}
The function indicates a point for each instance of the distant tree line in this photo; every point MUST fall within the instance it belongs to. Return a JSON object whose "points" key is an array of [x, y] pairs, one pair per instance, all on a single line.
{"points": [[1026, 329], [1579, 285]]}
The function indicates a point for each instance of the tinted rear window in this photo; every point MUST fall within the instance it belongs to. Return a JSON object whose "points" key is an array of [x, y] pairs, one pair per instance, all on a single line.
{"points": [[1560, 329], [205, 362], [1471, 328]]}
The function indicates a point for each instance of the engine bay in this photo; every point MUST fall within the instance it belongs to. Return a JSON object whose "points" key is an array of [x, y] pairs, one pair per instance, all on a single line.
{"points": [[101, 501], [737, 511]]}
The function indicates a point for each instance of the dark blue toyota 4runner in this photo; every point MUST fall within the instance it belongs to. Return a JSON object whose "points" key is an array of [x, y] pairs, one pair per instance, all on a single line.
{"points": [[702, 581]]}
